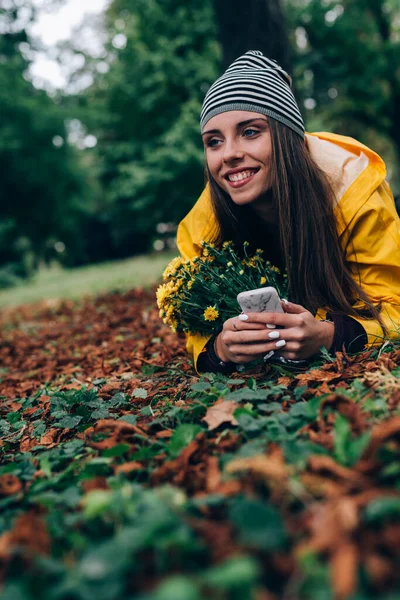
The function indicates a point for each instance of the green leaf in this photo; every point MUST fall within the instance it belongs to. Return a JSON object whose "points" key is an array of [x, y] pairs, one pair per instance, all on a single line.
{"points": [[235, 572], [307, 409], [182, 436], [258, 524], [270, 407], [382, 508], [177, 587], [347, 450], [297, 451], [252, 383], [72, 448], [119, 399], [96, 502], [132, 419], [100, 413], [299, 391], [357, 447], [252, 395], [342, 429], [247, 422], [149, 370], [13, 417], [39, 430], [4, 427], [201, 386], [71, 496], [45, 464], [69, 422], [58, 414], [139, 393], [118, 450]]}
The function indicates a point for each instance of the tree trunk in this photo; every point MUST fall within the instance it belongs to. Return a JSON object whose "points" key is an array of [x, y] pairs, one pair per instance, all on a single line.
{"points": [[252, 25]]}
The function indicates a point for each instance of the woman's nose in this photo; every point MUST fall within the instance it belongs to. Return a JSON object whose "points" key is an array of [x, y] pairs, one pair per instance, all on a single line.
{"points": [[232, 151]]}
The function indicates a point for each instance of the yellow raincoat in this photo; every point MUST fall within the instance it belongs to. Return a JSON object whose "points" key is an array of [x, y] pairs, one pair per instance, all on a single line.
{"points": [[365, 212]]}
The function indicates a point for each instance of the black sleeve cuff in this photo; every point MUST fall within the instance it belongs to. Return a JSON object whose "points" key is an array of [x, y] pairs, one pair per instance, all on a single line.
{"points": [[209, 362], [349, 334]]}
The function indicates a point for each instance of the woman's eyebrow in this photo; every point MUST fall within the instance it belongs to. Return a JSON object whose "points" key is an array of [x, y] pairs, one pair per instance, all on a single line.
{"points": [[241, 124]]}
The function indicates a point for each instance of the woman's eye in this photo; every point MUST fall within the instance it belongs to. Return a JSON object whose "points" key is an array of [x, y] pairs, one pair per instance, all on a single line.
{"points": [[212, 142], [250, 132]]}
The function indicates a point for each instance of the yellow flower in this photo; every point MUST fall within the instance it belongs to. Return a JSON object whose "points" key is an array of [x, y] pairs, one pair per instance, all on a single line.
{"points": [[263, 280], [210, 314], [241, 272], [163, 293], [249, 262], [226, 245], [189, 267], [190, 284], [172, 267], [229, 264], [170, 312]]}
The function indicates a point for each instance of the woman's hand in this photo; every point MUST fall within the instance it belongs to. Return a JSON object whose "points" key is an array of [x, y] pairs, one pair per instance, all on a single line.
{"points": [[244, 340]]}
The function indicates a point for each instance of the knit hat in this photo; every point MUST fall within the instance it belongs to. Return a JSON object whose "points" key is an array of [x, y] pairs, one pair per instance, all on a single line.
{"points": [[257, 84]]}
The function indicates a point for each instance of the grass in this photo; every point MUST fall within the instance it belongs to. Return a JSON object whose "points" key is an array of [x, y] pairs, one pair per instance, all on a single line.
{"points": [[55, 282]]}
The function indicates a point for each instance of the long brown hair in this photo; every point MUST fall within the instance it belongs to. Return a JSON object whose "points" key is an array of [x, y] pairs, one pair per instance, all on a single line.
{"points": [[303, 202]]}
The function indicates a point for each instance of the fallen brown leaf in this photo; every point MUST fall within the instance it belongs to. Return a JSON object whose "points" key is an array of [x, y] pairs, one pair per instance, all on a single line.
{"points": [[221, 412]]}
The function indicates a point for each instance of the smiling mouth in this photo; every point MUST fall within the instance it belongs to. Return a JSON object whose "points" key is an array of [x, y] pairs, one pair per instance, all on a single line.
{"points": [[240, 178], [245, 174]]}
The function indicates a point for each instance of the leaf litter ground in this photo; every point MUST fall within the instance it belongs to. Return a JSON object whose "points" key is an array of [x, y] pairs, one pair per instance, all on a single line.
{"points": [[126, 476]]}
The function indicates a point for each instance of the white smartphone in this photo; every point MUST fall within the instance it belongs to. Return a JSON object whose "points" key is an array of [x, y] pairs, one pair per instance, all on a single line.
{"points": [[260, 300]]}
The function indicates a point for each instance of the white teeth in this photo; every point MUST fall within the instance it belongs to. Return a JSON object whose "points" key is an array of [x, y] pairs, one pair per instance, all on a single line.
{"points": [[240, 176]]}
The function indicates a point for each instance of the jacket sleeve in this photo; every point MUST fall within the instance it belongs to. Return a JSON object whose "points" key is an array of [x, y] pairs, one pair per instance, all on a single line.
{"points": [[196, 227], [372, 247]]}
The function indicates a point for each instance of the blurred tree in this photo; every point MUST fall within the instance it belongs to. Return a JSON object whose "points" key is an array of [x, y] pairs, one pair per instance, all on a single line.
{"points": [[41, 182], [98, 170], [347, 66], [252, 25], [144, 109]]}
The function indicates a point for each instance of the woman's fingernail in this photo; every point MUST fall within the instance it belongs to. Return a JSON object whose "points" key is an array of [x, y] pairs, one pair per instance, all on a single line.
{"points": [[267, 356], [243, 317], [274, 335], [280, 344], [270, 326], [285, 301]]}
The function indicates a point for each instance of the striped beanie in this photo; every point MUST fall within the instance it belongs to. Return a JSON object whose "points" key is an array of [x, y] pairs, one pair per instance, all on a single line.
{"points": [[257, 84]]}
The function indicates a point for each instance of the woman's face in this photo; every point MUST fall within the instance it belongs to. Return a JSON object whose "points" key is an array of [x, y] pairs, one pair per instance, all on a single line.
{"points": [[238, 154]]}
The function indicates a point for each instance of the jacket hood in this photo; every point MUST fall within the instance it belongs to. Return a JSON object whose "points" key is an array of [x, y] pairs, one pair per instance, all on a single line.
{"points": [[354, 170]]}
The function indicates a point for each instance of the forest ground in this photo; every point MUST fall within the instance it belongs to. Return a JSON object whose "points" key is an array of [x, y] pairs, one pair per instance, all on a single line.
{"points": [[126, 476]]}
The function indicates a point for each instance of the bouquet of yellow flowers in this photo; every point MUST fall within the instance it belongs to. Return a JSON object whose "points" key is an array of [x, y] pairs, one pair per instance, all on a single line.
{"points": [[200, 294]]}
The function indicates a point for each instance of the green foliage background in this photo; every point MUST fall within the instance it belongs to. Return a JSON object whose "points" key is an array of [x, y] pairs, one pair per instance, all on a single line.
{"points": [[143, 105]]}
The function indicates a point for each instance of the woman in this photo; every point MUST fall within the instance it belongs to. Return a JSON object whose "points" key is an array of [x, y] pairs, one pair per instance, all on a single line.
{"points": [[318, 205]]}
